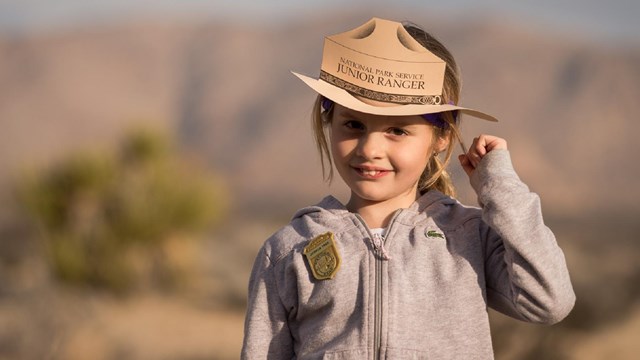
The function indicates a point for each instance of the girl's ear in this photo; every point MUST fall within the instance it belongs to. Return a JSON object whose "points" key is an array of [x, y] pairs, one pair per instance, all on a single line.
{"points": [[326, 116], [442, 143]]}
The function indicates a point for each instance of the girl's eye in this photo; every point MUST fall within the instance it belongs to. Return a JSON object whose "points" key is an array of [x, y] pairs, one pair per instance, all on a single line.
{"points": [[354, 125], [398, 131]]}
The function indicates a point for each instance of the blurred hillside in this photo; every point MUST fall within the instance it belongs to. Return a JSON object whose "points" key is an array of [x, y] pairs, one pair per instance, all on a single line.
{"points": [[567, 107]]}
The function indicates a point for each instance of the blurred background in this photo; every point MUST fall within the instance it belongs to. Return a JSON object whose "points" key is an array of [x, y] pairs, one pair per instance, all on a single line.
{"points": [[148, 148]]}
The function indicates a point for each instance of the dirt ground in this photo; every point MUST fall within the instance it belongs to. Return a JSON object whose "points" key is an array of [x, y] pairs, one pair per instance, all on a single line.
{"points": [[144, 327], [69, 325], [156, 327]]}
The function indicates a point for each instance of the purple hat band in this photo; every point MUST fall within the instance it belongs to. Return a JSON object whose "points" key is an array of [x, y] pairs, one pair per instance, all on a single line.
{"points": [[326, 104], [435, 119]]}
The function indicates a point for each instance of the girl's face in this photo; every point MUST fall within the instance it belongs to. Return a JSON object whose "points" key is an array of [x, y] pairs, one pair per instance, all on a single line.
{"points": [[381, 158]]}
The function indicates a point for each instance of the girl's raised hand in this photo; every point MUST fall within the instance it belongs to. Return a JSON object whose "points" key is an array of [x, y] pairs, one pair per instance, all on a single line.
{"points": [[478, 149]]}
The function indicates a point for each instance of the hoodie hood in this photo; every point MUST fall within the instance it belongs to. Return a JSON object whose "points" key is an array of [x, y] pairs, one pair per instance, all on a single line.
{"points": [[332, 207]]}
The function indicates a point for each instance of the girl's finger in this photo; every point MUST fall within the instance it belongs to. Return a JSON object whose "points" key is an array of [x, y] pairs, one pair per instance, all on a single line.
{"points": [[490, 142], [473, 155], [466, 164], [481, 146]]}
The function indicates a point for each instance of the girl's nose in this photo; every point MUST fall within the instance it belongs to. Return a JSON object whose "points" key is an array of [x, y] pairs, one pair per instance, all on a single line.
{"points": [[371, 146]]}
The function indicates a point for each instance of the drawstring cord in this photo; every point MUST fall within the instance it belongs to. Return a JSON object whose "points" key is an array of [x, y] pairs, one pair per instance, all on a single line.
{"points": [[377, 241]]}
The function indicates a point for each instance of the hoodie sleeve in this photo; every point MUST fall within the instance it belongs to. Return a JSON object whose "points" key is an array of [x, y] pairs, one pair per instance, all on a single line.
{"points": [[266, 331], [526, 272]]}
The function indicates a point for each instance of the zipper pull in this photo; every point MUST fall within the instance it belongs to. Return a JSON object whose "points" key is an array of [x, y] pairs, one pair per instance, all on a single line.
{"points": [[377, 241]]}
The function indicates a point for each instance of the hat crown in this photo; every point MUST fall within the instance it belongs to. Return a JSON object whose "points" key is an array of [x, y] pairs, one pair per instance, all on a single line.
{"points": [[381, 61], [385, 39]]}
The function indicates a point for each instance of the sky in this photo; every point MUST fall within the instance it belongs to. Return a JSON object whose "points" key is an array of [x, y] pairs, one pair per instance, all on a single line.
{"points": [[610, 21]]}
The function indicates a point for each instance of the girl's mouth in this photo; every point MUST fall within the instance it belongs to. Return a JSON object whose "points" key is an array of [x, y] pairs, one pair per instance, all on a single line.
{"points": [[371, 173]]}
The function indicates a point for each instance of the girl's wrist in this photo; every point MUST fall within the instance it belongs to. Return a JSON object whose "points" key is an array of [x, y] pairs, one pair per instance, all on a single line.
{"points": [[495, 166]]}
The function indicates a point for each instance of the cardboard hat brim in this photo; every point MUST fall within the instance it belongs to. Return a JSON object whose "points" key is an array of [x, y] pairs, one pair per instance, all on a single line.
{"points": [[347, 100]]}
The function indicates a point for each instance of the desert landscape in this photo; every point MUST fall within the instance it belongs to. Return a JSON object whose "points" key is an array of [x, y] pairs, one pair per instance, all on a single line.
{"points": [[224, 95]]}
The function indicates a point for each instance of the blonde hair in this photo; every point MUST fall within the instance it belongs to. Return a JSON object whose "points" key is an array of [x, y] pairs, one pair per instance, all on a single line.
{"points": [[435, 175]]}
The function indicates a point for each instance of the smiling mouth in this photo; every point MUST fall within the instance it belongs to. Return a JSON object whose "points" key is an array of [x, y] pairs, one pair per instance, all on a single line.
{"points": [[371, 173]]}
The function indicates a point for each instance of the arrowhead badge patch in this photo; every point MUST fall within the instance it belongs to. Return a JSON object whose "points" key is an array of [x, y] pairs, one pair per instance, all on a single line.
{"points": [[323, 257]]}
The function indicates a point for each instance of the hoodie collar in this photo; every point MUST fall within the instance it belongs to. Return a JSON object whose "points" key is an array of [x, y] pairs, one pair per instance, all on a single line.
{"points": [[328, 204], [335, 207], [429, 198]]}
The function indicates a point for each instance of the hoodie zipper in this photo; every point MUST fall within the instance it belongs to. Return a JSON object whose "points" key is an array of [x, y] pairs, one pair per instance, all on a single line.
{"points": [[377, 328]]}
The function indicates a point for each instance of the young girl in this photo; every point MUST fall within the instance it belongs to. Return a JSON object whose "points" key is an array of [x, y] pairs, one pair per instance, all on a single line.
{"points": [[402, 270]]}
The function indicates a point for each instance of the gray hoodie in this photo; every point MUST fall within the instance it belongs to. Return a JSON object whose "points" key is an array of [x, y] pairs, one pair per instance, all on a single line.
{"points": [[428, 300]]}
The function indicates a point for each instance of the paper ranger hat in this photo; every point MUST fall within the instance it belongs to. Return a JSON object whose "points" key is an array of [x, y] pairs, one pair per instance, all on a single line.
{"points": [[379, 68]]}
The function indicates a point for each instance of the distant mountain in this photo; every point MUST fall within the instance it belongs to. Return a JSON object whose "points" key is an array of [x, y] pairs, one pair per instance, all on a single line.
{"points": [[569, 109]]}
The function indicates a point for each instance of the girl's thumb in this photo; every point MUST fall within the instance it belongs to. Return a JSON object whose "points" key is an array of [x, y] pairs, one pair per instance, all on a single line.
{"points": [[466, 164]]}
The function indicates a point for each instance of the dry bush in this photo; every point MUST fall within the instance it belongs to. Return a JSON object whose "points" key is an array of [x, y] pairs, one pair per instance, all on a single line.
{"points": [[107, 219]]}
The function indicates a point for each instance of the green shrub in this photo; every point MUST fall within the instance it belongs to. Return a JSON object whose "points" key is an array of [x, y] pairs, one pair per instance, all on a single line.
{"points": [[96, 210]]}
